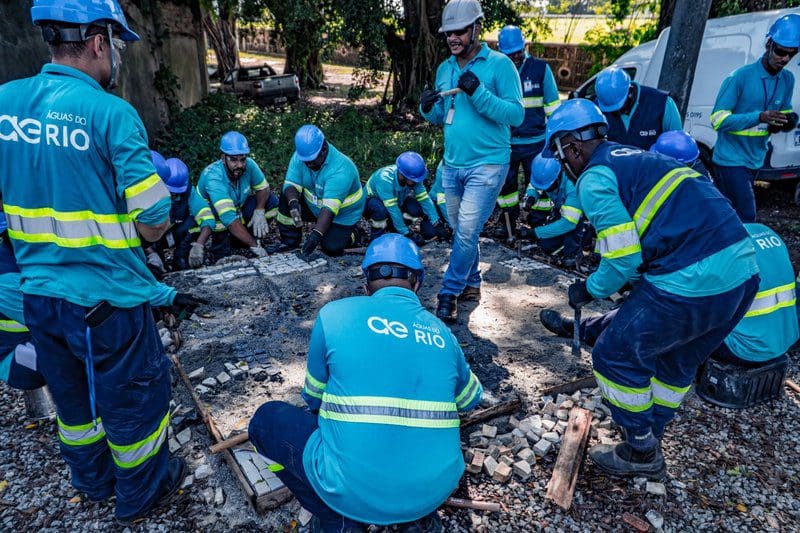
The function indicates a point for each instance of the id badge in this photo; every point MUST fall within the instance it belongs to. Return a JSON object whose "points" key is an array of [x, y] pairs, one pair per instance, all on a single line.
{"points": [[450, 113], [528, 85]]}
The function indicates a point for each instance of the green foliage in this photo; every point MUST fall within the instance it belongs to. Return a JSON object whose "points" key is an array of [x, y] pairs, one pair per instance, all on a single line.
{"points": [[371, 139], [625, 28]]}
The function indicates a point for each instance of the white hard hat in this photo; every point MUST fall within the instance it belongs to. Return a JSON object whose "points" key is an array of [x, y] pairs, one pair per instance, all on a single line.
{"points": [[459, 14]]}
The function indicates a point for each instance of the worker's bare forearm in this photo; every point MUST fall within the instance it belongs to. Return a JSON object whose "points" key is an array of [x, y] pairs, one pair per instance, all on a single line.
{"points": [[238, 230]]}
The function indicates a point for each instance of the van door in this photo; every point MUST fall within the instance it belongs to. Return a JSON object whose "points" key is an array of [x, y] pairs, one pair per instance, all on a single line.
{"points": [[786, 146]]}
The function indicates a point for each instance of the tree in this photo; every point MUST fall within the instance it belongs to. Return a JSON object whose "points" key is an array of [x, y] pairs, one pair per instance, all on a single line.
{"points": [[219, 22]]}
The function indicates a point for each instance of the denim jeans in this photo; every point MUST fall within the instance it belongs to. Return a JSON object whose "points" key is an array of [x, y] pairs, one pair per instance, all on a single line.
{"points": [[470, 194]]}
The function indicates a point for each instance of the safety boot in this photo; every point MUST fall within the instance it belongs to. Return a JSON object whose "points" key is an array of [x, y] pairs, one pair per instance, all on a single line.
{"points": [[557, 323], [447, 309], [427, 524], [279, 248], [621, 460], [470, 294], [176, 471]]}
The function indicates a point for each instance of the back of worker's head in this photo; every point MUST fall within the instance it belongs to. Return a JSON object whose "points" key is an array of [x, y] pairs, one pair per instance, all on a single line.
{"points": [[392, 260], [612, 86], [677, 144], [510, 40]]}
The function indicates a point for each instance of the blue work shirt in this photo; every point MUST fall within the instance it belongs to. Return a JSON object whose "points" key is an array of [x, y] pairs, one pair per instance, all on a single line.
{"points": [[75, 176], [744, 95], [388, 379], [437, 192], [216, 193], [669, 122], [384, 186], [565, 199], [336, 186], [480, 130]]}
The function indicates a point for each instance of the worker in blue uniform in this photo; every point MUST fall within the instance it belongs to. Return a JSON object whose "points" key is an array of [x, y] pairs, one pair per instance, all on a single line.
{"points": [[437, 194], [396, 191], [154, 261], [232, 194], [540, 99], [636, 114], [681, 146], [379, 442], [17, 352], [83, 275], [178, 237], [477, 121], [754, 102], [7, 261], [332, 196], [660, 222], [564, 226]]}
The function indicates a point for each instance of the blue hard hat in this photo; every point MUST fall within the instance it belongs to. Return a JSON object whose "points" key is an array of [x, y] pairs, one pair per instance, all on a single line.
{"points": [[510, 40], [82, 12], [572, 115], [412, 166], [544, 172], [786, 31], [234, 143], [3, 222], [612, 87], [178, 180], [308, 142], [162, 169], [394, 248], [677, 144]]}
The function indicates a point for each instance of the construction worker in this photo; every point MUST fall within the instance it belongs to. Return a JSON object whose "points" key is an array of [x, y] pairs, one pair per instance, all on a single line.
{"points": [[540, 99], [85, 284], [564, 231], [636, 114], [437, 194], [331, 189], [477, 124], [397, 190], [17, 352], [681, 146], [379, 442], [181, 221], [754, 102], [698, 277]]}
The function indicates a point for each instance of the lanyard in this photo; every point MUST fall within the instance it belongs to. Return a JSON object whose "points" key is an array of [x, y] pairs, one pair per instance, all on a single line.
{"points": [[768, 101], [454, 82]]}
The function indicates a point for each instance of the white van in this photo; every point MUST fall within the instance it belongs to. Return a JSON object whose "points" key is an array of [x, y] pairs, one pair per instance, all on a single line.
{"points": [[728, 43]]}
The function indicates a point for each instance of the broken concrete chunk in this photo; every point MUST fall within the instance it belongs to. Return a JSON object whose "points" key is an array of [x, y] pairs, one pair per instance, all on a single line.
{"points": [[173, 445], [229, 367], [223, 378], [561, 398], [527, 455], [552, 436], [208, 495], [201, 389], [489, 431], [502, 473], [476, 464], [548, 425], [304, 517], [210, 382], [187, 481], [549, 408], [505, 459], [522, 469], [656, 489], [542, 447], [655, 518], [566, 404], [203, 471], [184, 436], [219, 497], [562, 414], [532, 437], [490, 465], [243, 366], [197, 373], [513, 422]]}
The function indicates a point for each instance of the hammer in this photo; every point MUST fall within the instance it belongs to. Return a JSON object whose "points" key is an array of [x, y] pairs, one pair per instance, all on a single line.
{"points": [[511, 237]]}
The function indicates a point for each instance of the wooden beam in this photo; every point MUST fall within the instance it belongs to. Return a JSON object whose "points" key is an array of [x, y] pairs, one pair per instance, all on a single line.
{"points": [[482, 415], [792, 385], [473, 504], [565, 472], [572, 386], [229, 443]]}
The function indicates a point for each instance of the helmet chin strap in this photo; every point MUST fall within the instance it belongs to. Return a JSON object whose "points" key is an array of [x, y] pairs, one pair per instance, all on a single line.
{"points": [[112, 81]]}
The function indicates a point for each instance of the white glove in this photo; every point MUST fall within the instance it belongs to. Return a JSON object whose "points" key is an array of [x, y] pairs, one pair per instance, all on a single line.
{"points": [[259, 224], [196, 255], [154, 260], [259, 251]]}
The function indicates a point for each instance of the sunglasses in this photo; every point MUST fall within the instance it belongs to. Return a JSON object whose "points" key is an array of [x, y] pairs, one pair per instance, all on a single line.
{"points": [[458, 33], [783, 52]]}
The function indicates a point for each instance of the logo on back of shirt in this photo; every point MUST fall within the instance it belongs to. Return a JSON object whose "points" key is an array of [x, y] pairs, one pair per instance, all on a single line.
{"points": [[647, 133], [30, 131], [625, 152], [423, 334]]}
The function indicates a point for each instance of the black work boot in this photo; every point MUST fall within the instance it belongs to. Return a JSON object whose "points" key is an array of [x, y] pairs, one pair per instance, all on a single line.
{"points": [[427, 524], [622, 460], [447, 309], [279, 248], [470, 294], [176, 471], [557, 323]]}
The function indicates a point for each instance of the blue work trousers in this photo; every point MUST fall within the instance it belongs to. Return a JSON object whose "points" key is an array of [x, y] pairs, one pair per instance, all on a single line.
{"points": [[378, 215], [470, 194], [20, 375], [736, 184], [124, 450], [336, 239], [8, 263], [646, 359], [521, 155], [280, 431]]}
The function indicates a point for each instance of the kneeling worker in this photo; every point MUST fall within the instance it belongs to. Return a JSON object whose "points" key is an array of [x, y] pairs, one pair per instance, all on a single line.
{"points": [[385, 387], [17, 353]]}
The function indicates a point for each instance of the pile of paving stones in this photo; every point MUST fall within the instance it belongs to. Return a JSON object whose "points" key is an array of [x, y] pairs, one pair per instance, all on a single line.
{"points": [[269, 266]]}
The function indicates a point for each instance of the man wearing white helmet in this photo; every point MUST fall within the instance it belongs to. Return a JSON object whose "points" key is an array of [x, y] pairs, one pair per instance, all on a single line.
{"points": [[488, 101]]}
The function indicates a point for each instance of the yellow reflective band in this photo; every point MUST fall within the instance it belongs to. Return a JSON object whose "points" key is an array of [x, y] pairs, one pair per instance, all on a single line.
{"points": [[421, 197], [719, 117], [572, 214], [283, 219], [530, 102], [299, 188], [618, 241], [509, 200], [260, 186], [771, 300], [659, 194], [630, 399], [132, 455], [314, 387], [467, 395], [391, 411], [271, 213], [80, 435], [543, 204], [756, 131], [332, 204], [440, 198], [12, 326], [353, 198], [145, 194], [391, 202], [551, 106], [667, 395]]}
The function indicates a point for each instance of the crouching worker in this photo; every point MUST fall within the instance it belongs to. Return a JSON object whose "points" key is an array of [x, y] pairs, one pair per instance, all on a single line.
{"points": [[17, 352], [379, 442], [397, 191]]}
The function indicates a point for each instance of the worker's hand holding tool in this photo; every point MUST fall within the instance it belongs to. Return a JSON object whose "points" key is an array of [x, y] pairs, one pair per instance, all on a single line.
{"points": [[418, 239], [529, 234], [294, 212], [259, 224], [187, 301], [443, 232], [428, 98], [311, 243], [196, 255], [579, 295], [469, 82], [258, 251]]}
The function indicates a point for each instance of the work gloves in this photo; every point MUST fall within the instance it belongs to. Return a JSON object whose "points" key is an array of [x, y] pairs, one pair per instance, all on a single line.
{"points": [[294, 212], [468, 82], [196, 255], [418, 239], [258, 251], [443, 232], [259, 224], [311, 243], [529, 234], [427, 99], [791, 123], [527, 203], [155, 264], [579, 295], [188, 302]]}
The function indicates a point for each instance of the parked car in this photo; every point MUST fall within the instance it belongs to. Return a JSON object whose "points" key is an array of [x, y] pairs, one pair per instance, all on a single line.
{"points": [[728, 43], [263, 84]]}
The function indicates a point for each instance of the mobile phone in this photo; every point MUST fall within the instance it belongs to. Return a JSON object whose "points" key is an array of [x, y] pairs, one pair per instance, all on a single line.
{"points": [[99, 314]]}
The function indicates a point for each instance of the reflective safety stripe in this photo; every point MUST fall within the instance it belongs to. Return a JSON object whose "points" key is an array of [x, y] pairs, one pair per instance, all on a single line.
{"points": [[353, 198], [204, 215], [551, 106], [332, 204], [509, 200], [12, 326], [440, 198], [71, 229], [391, 202], [271, 213], [378, 224], [771, 300], [658, 195], [225, 205], [275, 467], [756, 131], [630, 399], [421, 197], [145, 194], [392, 411], [467, 394], [260, 186], [532, 101], [618, 241], [132, 455], [573, 214], [81, 435], [667, 395], [283, 219], [543, 204], [314, 387], [719, 117]]}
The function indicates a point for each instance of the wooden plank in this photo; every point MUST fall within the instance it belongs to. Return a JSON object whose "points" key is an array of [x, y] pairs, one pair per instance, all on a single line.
{"points": [[229, 443], [572, 386], [561, 487], [473, 504], [792, 385], [481, 415]]}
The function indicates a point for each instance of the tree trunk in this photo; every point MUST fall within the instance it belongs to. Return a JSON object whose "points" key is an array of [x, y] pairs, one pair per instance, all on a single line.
{"points": [[221, 31], [305, 63], [665, 15], [299, 25]]}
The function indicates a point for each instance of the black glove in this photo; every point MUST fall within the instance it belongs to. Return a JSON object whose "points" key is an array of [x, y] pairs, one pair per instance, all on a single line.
{"points": [[527, 203], [442, 230], [187, 301], [468, 82], [529, 234], [427, 99], [312, 241], [791, 122], [418, 239], [579, 295]]}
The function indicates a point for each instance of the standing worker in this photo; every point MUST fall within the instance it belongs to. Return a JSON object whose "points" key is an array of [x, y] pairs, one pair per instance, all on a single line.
{"points": [[85, 284], [754, 102], [397, 190], [636, 114], [477, 141], [540, 99], [656, 217], [331, 189], [379, 442], [231, 192]]}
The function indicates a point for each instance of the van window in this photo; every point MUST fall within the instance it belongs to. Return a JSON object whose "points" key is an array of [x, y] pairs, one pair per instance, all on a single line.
{"points": [[587, 90], [720, 56]]}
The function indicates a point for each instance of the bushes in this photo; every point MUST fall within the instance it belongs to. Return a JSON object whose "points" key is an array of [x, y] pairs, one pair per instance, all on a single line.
{"points": [[365, 134]]}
